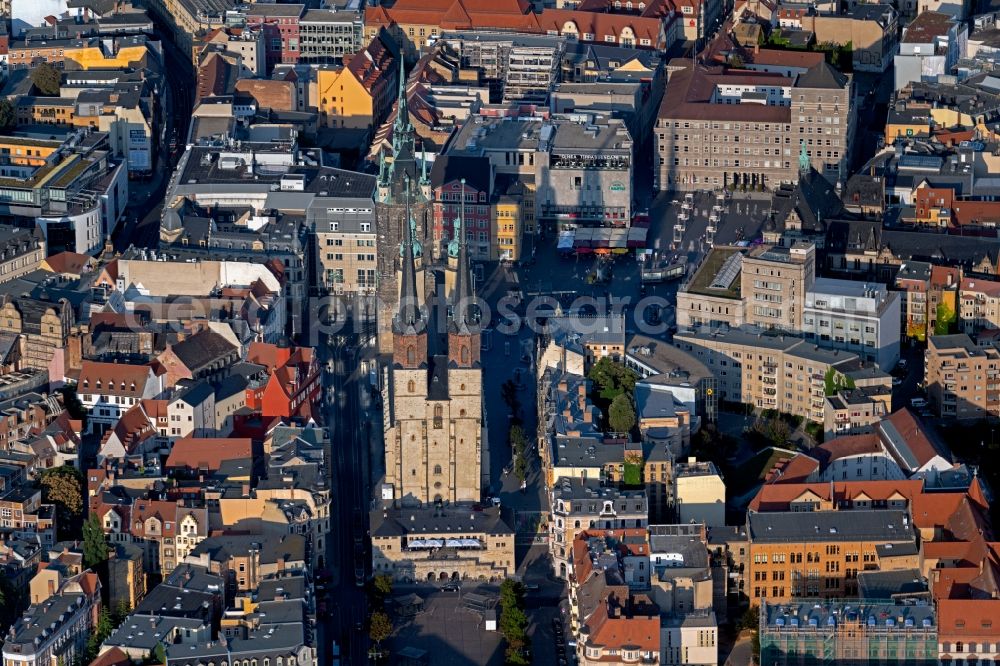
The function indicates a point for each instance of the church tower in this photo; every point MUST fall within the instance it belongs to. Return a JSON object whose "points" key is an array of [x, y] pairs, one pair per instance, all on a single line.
{"points": [[402, 199], [463, 329], [434, 421]]}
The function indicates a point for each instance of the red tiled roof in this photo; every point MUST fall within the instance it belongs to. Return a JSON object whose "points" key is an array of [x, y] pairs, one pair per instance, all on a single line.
{"points": [[778, 496], [969, 617], [119, 379], [89, 583], [133, 428], [804, 59], [796, 470], [463, 14], [165, 512], [71, 263], [953, 513], [623, 631], [601, 25], [689, 92], [976, 212], [975, 285], [207, 453], [372, 64], [850, 445], [113, 657], [940, 275], [917, 439]]}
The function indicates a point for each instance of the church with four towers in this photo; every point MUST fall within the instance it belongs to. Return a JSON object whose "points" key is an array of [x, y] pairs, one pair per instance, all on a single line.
{"points": [[429, 338]]}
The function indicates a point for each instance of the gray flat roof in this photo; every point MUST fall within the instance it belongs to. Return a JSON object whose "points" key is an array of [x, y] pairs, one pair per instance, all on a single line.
{"points": [[586, 452], [879, 526]]}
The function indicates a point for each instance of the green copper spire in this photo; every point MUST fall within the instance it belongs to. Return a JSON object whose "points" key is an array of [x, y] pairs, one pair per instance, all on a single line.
{"points": [[409, 311], [458, 227], [804, 164]]}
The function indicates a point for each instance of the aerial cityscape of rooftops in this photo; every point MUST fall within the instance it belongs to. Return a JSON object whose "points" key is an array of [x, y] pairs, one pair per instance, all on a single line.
{"points": [[499, 332]]}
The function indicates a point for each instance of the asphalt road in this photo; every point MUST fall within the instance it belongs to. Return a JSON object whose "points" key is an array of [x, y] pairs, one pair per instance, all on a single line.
{"points": [[141, 226], [346, 418]]}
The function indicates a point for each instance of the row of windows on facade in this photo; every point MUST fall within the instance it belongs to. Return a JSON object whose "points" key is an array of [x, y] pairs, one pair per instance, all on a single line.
{"points": [[811, 557], [337, 256], [366, 277], [756, 127], [761, 164], [697, 140]]}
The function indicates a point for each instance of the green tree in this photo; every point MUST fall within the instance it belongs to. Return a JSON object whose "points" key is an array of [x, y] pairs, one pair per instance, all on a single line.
{"points": [[122, 611], [46, 79], [518, 440], [621, 414], [612, 379], [520, 467], [775, 429], [63, 486], [8, 117], [382, 584], [104, 627], [749, 620], [514, 621], [95, 542], [945, 319], [379, 627]]}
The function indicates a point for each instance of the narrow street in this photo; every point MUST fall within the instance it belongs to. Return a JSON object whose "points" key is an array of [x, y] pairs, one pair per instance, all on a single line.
{"points": [[141, 224], [344, 612]]}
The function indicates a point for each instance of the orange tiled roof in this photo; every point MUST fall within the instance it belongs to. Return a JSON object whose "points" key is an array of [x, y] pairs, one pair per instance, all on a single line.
{"points": [[601, 25], [917, 439], [778, 496], [976, 212], [622, 631], [796, 470], [119, 379], [113, 657], [372, 64], [969, 617], [940, 275], [975, 285], [207, 453]]}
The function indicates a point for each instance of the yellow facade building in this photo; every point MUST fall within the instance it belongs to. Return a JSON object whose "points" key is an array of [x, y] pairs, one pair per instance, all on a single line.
{"points": [[506, 220], [359, 94]]}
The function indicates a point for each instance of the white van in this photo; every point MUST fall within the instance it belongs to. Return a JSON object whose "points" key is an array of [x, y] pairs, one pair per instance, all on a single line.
{"points": [[918, 403]]}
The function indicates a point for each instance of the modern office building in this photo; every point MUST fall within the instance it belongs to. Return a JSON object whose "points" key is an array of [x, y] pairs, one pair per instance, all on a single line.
{"points": [[860, 317]]}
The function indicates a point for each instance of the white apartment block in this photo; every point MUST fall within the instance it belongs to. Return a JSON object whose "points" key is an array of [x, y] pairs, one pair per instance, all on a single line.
{"points": [[859, 317]]}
